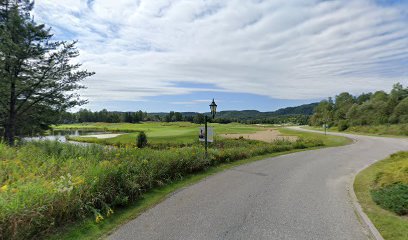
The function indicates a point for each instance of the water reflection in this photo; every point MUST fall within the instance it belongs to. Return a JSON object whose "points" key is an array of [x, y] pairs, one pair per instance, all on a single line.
{"points": [[60, 136]]}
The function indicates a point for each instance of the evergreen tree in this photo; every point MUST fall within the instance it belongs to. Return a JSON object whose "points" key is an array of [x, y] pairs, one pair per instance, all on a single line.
{"points": [[38, 80]]}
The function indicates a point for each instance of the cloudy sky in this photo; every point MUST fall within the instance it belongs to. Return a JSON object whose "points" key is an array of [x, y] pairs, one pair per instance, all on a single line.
{"points": [[161, 55]]}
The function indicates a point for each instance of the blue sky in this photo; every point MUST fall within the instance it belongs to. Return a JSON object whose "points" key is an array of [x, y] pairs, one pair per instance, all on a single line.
{"points": [[177, 55]]}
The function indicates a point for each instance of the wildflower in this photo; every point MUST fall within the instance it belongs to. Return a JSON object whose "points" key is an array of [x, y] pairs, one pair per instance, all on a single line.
{"points": [[64, 184], [78, 181], [98, 218], [110, 212], [4, 188]]}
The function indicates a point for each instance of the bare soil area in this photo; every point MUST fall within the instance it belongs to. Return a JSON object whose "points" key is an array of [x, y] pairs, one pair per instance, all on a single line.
{"points": [[268, 135]]}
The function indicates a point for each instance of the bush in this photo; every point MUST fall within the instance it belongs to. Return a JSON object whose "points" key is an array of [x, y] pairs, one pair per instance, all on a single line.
{"points": [[392, 197], [390, 184], [141, 140], [342, 125]]}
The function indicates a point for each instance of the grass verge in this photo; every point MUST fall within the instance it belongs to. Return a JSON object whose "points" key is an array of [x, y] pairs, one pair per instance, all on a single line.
{"points": [[329, 140], [375, 180], [88, 229], [396, 131]]}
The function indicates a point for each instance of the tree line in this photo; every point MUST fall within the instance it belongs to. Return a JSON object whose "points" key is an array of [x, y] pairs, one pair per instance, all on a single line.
{"points": [[84, 115], [375, 108]]}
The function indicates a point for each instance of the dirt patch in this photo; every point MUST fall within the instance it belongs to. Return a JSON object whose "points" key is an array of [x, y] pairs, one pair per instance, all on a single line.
{"points": [[268, 135]]}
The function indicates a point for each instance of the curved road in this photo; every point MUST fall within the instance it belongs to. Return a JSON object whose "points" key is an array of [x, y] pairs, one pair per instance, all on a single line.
{"points": [[302, 195]]}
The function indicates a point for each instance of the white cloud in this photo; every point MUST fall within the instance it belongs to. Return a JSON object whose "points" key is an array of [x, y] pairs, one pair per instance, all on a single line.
{"points": [[289, 49]]}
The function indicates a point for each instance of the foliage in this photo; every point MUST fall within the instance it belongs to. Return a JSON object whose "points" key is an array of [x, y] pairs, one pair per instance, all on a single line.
{"points": [[38, 79], [342, 125], [84, 115], [394, 129], [390, 186], [382, 181], [368, 109], [295, 115], [141, 140], [394, 172], [45, 185], [392, 197]]}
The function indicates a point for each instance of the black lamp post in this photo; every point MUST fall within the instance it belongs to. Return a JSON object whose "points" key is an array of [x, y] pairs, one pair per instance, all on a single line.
{"points": [[213, 108]]}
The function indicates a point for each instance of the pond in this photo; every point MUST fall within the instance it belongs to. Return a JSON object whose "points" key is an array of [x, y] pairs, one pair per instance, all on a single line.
{"points": [[59, 135]]}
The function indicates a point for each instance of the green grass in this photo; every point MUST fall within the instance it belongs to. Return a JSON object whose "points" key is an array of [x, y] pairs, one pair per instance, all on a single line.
{"points": [[46, 186], [329, 140], [394, 130], [177, 133], [88, 229], [380, 182]]}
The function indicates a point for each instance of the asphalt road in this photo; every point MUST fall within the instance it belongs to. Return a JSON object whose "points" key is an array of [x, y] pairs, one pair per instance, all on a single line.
{"points": [[302, 195]]}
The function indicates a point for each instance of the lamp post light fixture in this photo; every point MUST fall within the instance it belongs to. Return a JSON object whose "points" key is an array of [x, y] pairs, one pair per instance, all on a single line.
{"points": [[213, 108]]}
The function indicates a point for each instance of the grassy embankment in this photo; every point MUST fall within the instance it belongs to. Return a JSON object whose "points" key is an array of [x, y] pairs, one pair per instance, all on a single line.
{"points": [[400, 130], [382, 190], [46, 186]]}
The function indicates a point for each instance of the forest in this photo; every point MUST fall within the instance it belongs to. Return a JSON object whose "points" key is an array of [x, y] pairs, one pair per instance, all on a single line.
{"points": [[296, 115], [367, 109]]}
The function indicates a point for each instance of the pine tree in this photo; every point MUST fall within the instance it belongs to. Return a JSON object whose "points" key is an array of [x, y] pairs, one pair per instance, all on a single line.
{"points": [[37, 79]]}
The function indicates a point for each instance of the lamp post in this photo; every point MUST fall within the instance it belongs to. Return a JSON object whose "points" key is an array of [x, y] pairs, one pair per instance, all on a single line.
{"points": [[213, 108]]}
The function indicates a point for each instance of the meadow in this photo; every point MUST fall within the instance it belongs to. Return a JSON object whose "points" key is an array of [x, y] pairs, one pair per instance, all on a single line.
{"points": [[382, 190], [45, 186]]}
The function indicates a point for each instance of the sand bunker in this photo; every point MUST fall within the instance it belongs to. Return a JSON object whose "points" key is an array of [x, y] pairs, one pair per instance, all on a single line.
{"points": [[102, 136], [268, 135]]}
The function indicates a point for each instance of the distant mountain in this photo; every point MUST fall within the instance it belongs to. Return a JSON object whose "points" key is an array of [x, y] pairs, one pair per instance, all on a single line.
{"points": [[162, 114], [305, 109]]}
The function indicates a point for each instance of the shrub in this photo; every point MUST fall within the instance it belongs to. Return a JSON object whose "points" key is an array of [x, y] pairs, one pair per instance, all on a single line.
{"points": [[392, 197], [141, 140], [342, 125], [390, 185]]}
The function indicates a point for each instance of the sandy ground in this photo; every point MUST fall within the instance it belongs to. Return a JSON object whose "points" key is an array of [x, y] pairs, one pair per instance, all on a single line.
{"points": [[102, 136], [268, 135]]}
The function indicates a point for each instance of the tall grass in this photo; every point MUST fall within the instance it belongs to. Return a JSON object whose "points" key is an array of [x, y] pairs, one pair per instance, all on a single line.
{"points": [[45, 185], [394, 129]]}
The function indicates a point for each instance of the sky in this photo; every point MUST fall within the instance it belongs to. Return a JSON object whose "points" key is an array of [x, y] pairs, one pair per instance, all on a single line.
{"points": [[162, 55]]}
